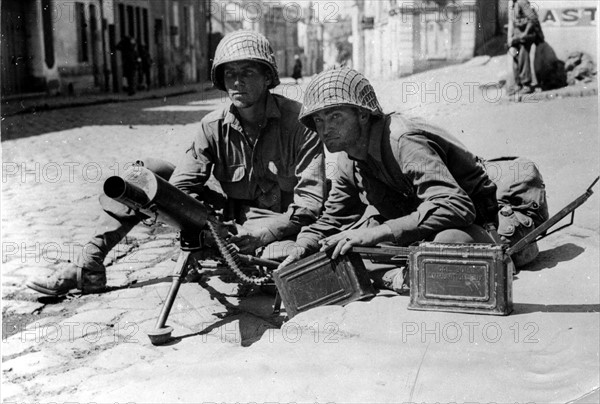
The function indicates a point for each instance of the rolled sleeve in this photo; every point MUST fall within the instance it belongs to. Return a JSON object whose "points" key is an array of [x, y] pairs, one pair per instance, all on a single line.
{"points": [[279, 228], [343, 208], [271, 226], [444, 204], [309, 169]]}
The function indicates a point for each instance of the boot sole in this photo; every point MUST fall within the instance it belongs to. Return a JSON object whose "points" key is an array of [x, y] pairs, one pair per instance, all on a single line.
{"points": [[53, 292], [46, 291]]}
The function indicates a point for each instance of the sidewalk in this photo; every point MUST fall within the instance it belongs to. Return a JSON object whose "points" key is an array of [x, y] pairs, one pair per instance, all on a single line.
{"points": [[24, 103], [483, 70], [231, 348]]}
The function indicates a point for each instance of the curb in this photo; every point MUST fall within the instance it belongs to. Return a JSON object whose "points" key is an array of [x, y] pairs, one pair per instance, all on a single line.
{"points": [[44, 106], [552, 95]]}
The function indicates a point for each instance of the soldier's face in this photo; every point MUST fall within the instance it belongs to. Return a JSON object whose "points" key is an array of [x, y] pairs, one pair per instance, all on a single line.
{"points": [[246, 82], [338, 128]]}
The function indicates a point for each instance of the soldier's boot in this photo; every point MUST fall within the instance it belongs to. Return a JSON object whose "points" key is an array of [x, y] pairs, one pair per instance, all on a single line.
{"points": [[87, 273]]}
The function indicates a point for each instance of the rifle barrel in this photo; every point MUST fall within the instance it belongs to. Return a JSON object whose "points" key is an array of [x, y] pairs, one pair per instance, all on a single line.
{"points": [[552, 221]]}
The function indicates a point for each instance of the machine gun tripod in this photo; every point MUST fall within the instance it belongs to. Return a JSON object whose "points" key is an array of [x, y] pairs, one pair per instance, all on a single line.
{"points": [[143, 191]]}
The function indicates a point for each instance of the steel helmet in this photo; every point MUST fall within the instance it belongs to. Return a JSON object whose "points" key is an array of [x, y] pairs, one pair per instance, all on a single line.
{"points": [[338, 87], [243, 45]]}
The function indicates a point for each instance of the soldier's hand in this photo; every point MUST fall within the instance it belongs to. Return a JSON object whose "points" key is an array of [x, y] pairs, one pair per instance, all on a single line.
{"points": [[226, 229], [247, 241], [295, 252], [343, 242]]}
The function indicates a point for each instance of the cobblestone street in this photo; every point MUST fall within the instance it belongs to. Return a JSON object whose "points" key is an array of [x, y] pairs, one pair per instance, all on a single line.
{"points": [[94, 347]]}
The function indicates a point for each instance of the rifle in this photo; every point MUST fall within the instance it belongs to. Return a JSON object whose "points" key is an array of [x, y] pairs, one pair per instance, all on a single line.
{"points": [[399, 255], [153, 197], [540, 232]]}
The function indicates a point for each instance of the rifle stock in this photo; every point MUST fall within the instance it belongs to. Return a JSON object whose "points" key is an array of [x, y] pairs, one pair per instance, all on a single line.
{"points": [[538, 233], [384, 254]]}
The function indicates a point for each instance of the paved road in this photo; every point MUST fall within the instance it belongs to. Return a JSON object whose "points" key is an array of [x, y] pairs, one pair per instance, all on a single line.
{"points": [[54, 172], [144, 112], [54, 163]]}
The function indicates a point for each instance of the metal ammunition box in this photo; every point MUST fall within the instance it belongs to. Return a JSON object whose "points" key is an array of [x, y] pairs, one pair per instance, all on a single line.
{"points": [[468, 278], [318, 280]]}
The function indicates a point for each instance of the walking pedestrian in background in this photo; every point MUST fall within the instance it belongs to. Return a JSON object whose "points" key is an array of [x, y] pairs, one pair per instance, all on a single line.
{"points": [[129, 57], [297, 73]]}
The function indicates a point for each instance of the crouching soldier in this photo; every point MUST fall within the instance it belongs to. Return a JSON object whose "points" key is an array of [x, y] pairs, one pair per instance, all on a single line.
{"points": [[398, 180]]}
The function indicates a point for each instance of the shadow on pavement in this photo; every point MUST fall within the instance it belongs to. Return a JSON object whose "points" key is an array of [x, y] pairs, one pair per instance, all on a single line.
{"points": [[136, 284], [180, 110], [551, 258], [526, 308], [252, 325]]}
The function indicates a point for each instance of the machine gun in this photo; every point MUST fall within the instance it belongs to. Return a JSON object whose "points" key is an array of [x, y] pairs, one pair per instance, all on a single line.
{"points": [[150, 195]]}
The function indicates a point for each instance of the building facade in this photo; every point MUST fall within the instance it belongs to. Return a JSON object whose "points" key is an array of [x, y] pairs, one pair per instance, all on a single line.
{"points": [[275, 20], [71, 46], [311, 41], [393, 38]]}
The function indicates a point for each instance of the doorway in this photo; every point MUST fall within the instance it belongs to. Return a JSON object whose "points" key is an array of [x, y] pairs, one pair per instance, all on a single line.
{"points": [[16, 63], [160, 51]]}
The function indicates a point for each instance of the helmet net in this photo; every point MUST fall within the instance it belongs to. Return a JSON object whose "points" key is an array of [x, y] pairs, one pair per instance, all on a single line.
{"points": [[243, 45], [338, 87]]}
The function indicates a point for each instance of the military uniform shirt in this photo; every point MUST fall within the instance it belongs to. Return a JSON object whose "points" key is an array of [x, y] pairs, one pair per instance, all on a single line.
{"points": [[282, 172], [417, 179]]}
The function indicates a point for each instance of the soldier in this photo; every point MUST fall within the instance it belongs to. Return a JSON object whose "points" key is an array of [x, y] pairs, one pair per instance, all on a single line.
{"points": [[269, 166], [398, 181]]}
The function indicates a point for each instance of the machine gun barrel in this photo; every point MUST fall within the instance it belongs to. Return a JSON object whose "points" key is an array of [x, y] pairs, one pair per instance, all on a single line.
{"points": [[140, 189], [128, 194]]}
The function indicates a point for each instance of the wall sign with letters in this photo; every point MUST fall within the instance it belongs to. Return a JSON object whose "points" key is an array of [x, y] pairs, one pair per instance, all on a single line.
{"points": [[564, 17]]}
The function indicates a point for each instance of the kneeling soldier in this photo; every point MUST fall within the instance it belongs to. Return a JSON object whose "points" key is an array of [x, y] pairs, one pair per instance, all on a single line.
{"points": [[269, 166], [398, 180]]}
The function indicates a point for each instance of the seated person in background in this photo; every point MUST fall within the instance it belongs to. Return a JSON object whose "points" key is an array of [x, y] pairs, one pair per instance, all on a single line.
{"points": [[524, 30]]}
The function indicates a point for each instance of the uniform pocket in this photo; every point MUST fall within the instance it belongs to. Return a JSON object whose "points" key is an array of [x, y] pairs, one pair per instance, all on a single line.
{"points": [[275, 172], [229, 173]]}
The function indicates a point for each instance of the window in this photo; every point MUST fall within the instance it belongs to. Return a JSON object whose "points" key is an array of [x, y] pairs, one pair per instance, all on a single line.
{"points": [[186, 27], [138, 27], [130, 22], [146, 32], [175, 26], [192, 32], [48, 33], [82, 32], [122, 21]]}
